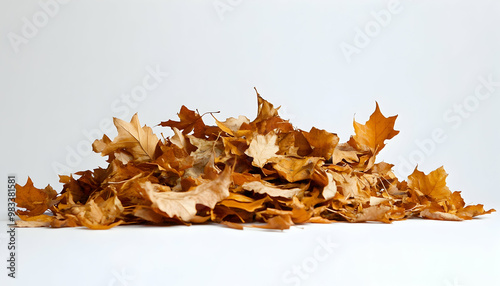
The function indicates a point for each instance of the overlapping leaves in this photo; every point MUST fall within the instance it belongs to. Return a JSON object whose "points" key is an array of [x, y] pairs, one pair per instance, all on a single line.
{"points": [[241, 171]]}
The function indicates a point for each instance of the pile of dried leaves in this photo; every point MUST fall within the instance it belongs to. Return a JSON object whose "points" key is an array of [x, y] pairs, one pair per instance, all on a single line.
{"points": [[242, 171]]}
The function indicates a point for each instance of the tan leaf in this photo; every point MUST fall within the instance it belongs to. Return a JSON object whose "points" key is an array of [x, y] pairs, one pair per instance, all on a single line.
{"points": [[261, 187], [99, 213], [232, 125], [439, 215], [345, 152], [374, 213], [331, 189], [262, 148], [183, 204], [139, 141]]}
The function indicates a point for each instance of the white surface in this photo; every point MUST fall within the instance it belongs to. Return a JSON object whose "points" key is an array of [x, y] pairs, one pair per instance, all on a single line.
{"points": [[69, 77], [413, 252]]}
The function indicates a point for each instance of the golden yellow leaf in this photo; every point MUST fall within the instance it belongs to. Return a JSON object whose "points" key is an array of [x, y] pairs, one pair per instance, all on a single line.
{"points": [[432, 185], [376, 130]]}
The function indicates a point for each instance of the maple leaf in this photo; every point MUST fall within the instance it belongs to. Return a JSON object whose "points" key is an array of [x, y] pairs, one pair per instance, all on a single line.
{"points": [[262, 148], [183, 204], [272, 173], [432, 185], [35, 201], [189, 121], [140, 142], [374, 133]]}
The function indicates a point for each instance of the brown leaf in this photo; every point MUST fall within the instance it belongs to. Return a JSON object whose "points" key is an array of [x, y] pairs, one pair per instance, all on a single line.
{"points": [[35, 201], [183, 204], [189, 121], [322, 142], [296, 169], [273, 173]]}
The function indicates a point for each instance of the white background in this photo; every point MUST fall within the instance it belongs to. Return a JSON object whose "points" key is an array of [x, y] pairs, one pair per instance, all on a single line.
{"points": [[70, 74]]}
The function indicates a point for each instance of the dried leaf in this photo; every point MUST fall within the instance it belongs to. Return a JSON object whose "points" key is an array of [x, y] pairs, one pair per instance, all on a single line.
{"points": [[35, 201], [432, 185], [140, 142], [273, 173], [262, 148], [261, 187], [376, 130], [183, 204]]}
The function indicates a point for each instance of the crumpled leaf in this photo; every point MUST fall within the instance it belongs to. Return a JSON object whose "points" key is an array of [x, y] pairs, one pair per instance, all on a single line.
{"points": [[323, 143], [183, 204], [100, 213]]}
